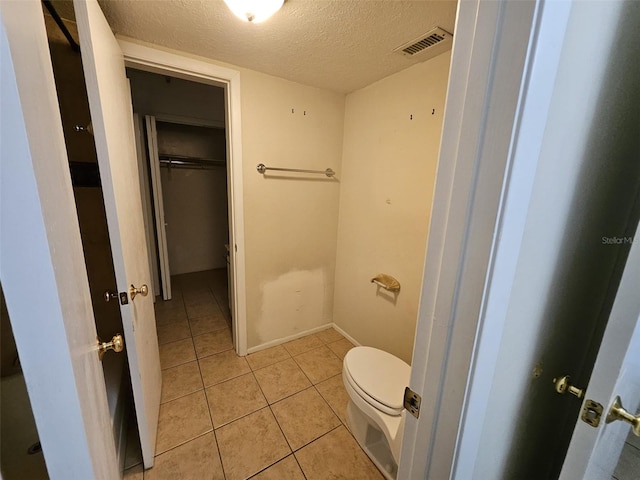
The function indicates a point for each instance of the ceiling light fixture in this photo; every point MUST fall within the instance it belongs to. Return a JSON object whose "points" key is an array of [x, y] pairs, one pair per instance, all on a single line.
{"points": [[254, 11]]}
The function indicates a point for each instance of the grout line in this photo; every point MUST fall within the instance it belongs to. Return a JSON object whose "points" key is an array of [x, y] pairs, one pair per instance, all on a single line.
{"points": [[183, 443], [270, 364], [268, 404], [206, 398], [215, 437], [328, 404], [299, 466], [631, 445], [273, 413]]}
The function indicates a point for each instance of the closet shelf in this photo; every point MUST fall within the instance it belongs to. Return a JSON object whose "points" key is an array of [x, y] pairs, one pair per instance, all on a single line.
{"points": [[179, 161]]}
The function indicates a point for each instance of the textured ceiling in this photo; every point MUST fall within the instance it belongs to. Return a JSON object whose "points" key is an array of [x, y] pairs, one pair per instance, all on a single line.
{"points": [[340, 45]]}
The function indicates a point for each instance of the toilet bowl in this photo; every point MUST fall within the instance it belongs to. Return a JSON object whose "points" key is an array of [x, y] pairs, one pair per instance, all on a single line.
{"points": [[375, 381]]}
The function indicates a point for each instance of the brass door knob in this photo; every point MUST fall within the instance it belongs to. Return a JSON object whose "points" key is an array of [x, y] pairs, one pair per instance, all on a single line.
{"points": [[109, 295], [618, 412], [143, 290], [116, 344]]}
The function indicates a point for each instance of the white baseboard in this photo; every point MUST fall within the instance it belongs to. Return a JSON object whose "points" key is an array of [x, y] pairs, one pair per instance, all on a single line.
{"points": [[280, 341], [346, 335]]}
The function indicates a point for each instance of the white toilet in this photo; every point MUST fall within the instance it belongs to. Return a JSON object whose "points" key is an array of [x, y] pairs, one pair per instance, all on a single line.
{"points": [[375, 381]]}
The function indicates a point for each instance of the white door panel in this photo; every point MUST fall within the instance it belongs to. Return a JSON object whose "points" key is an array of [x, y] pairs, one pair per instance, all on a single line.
{"points": [[112, 117], [594, 452], [42, 266]]}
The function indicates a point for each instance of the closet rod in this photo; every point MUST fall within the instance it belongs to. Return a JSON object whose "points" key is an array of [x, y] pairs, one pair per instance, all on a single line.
{"points": [[262, 169], [189, 162], [63, 27]]}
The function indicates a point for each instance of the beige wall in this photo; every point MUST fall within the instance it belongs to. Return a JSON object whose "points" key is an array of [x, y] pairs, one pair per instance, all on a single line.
{"points": [[195, 209], [295, 251], [291, 220], [391, 140]]}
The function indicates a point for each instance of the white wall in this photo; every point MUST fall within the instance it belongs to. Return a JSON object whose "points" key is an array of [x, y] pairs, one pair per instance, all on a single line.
{"points": [[291, 220], [391, 141]]}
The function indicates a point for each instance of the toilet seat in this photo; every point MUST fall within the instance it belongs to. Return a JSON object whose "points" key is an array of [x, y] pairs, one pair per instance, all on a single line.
{"points": [[378, 377]]}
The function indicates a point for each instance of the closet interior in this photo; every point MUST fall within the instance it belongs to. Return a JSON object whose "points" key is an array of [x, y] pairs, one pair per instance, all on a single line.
{"points": [[182, 149]]}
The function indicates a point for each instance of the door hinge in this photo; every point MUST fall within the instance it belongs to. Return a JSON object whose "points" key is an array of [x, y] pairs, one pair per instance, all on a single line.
{"points": [[412, 402], [591, 413]]}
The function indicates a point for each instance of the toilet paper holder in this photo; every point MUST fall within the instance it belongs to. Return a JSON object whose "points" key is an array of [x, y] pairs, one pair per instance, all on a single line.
{"points": [[387, 282]]}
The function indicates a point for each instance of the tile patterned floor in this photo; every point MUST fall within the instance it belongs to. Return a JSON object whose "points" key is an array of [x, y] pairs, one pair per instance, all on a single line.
{"points": [[275, 414]]}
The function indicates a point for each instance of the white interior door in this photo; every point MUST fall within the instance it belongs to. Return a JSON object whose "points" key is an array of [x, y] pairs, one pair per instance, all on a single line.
{"points": [[158, 205], [112, 117], [594, 453], [42, 268]]}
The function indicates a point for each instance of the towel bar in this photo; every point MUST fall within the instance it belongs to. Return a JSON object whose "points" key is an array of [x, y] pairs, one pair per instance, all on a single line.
{"points": [[262, 169]]}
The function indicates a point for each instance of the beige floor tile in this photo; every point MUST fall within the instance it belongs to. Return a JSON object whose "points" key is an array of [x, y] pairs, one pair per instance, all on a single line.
{"points": [[203, 309], [234, 399], [336, 455], [177, 353], [195, 460], [329, 335], [319, 364], [281, 380], [208, 323], [222, 366], [202, 294], [196, 294], [176, 302], [285, 469], [176, 291], [213, 342], [182, 420], [180, 381], [251, 444], [221, 295], [134, 473], [341, 347], [304, 344], [171, 332], [333, 391], [170, 315], [267, 357], [304, 417]]}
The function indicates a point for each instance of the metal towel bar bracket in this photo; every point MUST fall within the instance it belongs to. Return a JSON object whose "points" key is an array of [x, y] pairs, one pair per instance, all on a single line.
{"points": [[262, 169]]}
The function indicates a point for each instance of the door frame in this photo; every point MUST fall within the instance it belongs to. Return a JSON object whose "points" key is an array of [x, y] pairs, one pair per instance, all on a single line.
{"points": [[486, 169], [490, 117], [157, 200], [143, 57]]}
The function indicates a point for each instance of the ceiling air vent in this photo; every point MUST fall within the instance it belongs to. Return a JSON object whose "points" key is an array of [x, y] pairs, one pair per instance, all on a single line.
{"points": [[432, 43]]}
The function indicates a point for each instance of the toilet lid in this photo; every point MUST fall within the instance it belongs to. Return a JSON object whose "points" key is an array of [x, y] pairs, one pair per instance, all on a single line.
{"points": [[379, 374]]}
